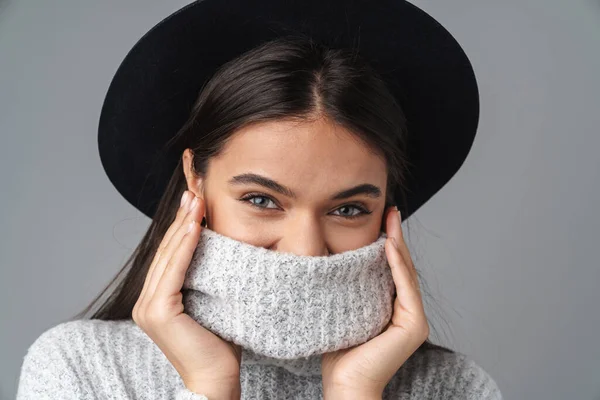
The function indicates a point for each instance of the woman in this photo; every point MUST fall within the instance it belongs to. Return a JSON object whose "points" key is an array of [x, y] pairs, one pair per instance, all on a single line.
{"points": [[293, 149]]}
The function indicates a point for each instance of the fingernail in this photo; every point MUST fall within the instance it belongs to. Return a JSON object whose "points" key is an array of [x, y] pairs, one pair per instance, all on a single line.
{"points": [[194, 203], [184, 198]]}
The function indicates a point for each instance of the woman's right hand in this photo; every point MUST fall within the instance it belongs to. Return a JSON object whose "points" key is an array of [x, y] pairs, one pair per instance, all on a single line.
{"points": [[206, 363]]}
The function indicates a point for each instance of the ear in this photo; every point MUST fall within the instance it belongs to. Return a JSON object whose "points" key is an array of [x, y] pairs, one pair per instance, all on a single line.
{"points": [[193, 181]]}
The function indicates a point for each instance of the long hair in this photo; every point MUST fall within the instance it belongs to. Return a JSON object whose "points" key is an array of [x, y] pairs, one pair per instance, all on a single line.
{"points": [[289, 78]]}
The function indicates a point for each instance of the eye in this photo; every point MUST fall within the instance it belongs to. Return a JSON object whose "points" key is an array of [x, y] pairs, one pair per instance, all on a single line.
{"points": [[259, 204], [265, 200], [360, 211]]}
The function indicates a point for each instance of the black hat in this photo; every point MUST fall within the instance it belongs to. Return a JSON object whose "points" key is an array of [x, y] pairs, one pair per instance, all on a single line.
{"points": [[154, 88]]}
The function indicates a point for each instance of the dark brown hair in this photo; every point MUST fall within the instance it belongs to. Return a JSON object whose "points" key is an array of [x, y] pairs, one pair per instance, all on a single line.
{"points": [[289, 78]]}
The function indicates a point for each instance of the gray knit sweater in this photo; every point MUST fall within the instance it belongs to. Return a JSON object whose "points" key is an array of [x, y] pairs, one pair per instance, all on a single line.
{"points": [[284, 310]]}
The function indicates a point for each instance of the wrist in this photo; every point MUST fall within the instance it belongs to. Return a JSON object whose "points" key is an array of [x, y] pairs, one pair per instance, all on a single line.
{"points": [[217, 391], [350, 394]]}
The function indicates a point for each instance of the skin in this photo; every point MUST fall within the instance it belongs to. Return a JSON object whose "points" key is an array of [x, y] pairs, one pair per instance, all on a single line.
{"points": [[315, 160]]}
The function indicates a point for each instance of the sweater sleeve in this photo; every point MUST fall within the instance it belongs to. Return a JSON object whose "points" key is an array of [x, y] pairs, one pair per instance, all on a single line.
{"points": [[479, 385], [466, 380], [52, 371], [441, 375], [46, 373], [186, 394]]}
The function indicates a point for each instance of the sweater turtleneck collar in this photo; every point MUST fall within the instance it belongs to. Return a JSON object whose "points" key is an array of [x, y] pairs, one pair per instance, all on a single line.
{"points": [[284, 309]]}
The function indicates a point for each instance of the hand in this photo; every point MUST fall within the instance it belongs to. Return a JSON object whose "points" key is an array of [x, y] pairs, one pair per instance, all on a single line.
{"points": [[364, 370], [204, 360]]}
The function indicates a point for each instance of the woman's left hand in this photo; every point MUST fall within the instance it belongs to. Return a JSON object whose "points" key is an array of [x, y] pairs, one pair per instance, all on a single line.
{"points": [[363, 371]]}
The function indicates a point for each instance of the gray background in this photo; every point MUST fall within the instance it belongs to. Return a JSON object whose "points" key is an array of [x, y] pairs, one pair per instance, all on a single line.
{"points": [[508, 249]]}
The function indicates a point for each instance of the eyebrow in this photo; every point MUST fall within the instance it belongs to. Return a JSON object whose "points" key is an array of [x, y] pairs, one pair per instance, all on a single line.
{"points": [[249, 178]]}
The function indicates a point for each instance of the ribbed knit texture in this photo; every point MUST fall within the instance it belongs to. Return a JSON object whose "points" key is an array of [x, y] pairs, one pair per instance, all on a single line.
{"points": [[284, 310]]}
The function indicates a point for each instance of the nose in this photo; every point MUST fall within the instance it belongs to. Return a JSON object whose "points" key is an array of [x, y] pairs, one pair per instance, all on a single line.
{"points": [[303, 236]]}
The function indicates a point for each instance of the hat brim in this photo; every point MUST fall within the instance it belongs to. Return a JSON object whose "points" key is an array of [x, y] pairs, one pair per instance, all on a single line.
{"points": [[151, 94]]}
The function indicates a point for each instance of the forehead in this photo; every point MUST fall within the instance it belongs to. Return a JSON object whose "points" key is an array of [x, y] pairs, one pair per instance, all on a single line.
{"points": [[297, 154]]}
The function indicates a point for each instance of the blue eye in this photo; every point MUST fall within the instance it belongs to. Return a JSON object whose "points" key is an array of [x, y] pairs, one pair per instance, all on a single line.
{"points": [[360, 211], [258, 204]]}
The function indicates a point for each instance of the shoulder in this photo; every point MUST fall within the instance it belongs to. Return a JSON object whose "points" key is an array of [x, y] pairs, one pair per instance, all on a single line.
{"points": [[436, 373], [77, 336], [69, 359]]}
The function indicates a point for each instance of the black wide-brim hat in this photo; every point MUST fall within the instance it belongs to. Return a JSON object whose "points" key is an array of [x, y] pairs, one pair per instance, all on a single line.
{"points": [[152, 92]]}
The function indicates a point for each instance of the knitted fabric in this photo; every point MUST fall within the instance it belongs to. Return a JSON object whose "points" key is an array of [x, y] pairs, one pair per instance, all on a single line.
{"points": [[284, 310]]}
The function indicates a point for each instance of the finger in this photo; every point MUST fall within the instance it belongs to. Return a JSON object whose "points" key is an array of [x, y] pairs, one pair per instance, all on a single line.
{"points": [[404, 333], [173, 244], [406, 293], [173, 276], [181, 213], [395, 228]]}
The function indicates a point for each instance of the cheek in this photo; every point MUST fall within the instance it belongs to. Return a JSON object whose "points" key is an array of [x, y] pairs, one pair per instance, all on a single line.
{"points": [[340, 239], [228, 217]]}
